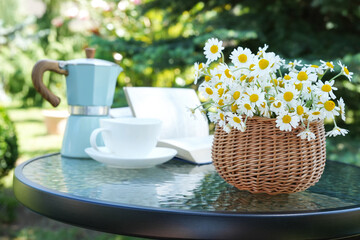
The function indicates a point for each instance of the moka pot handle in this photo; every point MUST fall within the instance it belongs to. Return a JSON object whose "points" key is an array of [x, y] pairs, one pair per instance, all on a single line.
{"points": [[37, 79]]}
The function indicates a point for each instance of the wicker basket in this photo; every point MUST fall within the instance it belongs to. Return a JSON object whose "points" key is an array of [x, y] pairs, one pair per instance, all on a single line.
{"points": [[264, 159]]}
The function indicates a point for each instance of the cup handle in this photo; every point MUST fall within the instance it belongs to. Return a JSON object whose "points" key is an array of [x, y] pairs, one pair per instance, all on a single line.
{"points": [[93, 137]]}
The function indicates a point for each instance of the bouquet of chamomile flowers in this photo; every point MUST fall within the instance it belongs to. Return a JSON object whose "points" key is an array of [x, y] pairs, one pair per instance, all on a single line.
{"points": [[264, 85]]}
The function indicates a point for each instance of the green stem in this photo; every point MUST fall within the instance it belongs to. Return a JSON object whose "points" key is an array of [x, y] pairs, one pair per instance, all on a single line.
{"points": [[324, 74], [222, 57], [336, 76], [272, 79]]}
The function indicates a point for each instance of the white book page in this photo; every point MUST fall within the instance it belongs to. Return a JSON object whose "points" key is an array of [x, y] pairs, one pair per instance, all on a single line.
{"points": [[170, 105]]}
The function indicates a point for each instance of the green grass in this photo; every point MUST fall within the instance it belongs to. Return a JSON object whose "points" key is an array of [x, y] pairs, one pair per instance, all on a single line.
{"points": [[18, 223], [33, 139]]}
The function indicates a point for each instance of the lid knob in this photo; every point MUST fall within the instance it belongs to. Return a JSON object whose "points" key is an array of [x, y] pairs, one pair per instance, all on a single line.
{"points": [[90, 52]]}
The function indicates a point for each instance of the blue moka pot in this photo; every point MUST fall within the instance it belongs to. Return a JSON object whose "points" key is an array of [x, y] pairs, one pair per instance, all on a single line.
{"points": [[90, 88]]}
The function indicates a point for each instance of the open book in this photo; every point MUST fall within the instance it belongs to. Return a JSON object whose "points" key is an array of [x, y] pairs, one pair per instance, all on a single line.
{"points": [[189, 135]]}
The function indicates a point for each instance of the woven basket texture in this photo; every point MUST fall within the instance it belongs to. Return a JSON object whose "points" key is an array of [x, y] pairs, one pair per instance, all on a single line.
{"points": [[264, 159]]}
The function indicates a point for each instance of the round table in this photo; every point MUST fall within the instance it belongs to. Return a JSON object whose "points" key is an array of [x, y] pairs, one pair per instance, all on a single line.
{"points": [[181, 200]]}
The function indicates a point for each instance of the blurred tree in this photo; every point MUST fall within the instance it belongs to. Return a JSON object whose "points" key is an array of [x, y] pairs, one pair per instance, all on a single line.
{"points": [[32, 38], [159, 39]]}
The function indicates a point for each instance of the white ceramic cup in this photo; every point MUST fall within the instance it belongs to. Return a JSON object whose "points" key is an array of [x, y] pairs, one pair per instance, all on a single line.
{"points": [[128, 137]]}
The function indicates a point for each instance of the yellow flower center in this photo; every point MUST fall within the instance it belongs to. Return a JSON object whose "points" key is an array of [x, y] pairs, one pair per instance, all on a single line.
{"points": [[315, 66], [275, 82], [236, 95], [316, 113], [218, 84], [271, 98], [234, 107], [243, 77], [227, 73], [286, 119], [222, 116], [346, 71], [329, 65], [236, 119], [251, 67], [250, 79], [309, 89], [298, 86], [242, 58], [221, 102], [277, 105], [329, 105], [254, 98], [281, 83], [209, 91], [207, 78], [247, 106], [287, 77], [221, 92], [263, 105], [200, 66], [288, 96], [214, 49], [218, 75], [299, 110], [302, 76], [326, 88], [263, 64]]}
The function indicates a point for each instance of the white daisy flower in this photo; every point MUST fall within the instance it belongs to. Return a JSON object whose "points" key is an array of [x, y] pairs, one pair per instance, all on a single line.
{"points": [[246, 108], [345, 71], [329, 109], [265, 65], [307, 91], [213, 117], [234, 107], [326, 89], [212, 50], [337, 131], [277, 107], [278, 62], [241, 57], [341, 105], [307, 134], [262, 50], [207, 90], [293, 64], [225, 71], [199, 70], [254, 95], [315, 68], [235, 90], [327, 65], [221, 117], [286, 121], [264, 109], [235, 121], [303, 75], [300, 110], [315, 114], [289, 95]]}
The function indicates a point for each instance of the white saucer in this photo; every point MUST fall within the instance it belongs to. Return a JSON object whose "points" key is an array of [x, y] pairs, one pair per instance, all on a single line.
{"points": [[157, 156]]}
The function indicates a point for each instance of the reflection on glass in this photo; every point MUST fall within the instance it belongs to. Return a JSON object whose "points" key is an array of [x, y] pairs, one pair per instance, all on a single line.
{"points": [[179, 185]]}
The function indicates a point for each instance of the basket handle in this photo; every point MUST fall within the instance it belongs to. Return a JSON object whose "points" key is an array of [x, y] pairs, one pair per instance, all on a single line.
{"points": [[37, 79]]}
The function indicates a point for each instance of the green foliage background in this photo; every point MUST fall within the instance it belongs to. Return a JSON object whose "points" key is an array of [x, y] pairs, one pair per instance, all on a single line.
{"points": [[8, 144]]}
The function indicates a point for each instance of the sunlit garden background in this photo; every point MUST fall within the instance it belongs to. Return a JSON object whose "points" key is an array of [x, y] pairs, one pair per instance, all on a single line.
{"points": [[156, 42]]}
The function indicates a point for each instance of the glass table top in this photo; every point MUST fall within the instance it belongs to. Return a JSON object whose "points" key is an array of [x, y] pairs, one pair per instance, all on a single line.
{"points": [[183, 186]]}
